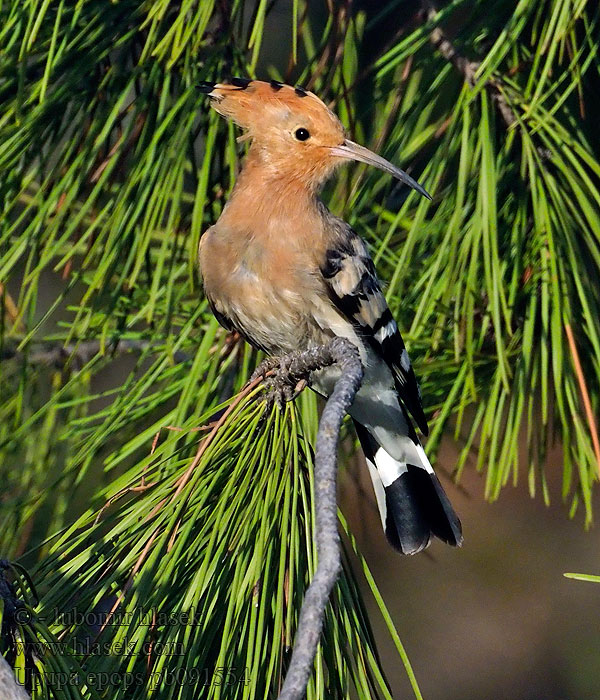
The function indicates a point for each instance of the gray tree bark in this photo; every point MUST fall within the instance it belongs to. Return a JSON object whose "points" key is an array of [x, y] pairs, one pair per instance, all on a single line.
{"points": [[344, 354], [9, 688]]}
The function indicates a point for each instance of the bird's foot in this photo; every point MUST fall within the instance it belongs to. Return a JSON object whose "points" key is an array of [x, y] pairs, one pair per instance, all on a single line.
{"points": [[266, 366], [281, 383]]}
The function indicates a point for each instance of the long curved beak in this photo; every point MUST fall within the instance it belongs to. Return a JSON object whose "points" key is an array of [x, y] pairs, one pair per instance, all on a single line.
{"points": [[353, 151]]}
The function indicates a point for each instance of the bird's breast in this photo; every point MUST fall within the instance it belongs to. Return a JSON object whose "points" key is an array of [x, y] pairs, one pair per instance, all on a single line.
{"points": [[262, 288]]}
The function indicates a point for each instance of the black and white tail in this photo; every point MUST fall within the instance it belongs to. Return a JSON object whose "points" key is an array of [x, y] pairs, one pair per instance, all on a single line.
{"points": [[412, 503]]}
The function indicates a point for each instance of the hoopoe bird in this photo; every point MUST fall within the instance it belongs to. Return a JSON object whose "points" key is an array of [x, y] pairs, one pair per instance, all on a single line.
{"points": [[283, 271]]}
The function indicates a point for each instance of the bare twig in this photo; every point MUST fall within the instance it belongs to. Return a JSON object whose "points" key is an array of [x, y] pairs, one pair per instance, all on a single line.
{"points": [[56, 354], [342, 353], [465, 66]]}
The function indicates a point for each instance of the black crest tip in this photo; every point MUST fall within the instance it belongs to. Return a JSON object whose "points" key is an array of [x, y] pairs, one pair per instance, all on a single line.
{"points": [[276, 85], [300, 91], [241, 82], [205, 87]]}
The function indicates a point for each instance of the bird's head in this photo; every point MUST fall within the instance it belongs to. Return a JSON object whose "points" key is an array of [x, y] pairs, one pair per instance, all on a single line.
{"points": [[295, 133]]}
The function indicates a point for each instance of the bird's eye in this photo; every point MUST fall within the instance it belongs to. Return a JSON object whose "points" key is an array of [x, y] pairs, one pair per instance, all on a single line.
{"points": [[302, 134]]}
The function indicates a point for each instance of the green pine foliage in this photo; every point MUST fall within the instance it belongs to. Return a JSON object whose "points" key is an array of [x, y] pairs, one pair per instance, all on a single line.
{"points": [[112, 165]]}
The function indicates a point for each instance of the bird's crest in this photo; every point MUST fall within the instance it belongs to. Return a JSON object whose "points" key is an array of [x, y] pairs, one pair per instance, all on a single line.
{"points": [[250, 102]]}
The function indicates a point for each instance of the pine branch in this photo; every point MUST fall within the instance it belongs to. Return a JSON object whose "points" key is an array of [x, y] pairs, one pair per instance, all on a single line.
{"points": [[468, 68], [344, 354], [58, 355]]}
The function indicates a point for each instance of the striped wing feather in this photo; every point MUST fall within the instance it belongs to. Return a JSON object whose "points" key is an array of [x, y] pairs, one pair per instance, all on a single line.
{"points": [[355, 290]]}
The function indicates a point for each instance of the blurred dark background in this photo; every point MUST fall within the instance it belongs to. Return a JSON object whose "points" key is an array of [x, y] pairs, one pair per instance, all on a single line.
{"points": [[496, 619]]}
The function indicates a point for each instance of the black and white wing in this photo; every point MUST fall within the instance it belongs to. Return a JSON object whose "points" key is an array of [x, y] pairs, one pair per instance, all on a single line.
{"points": [[353, 287]]}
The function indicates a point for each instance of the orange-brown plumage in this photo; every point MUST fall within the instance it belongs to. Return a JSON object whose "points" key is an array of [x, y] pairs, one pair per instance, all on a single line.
{"points": [[270, 117], [287, 274], [272, 228]]}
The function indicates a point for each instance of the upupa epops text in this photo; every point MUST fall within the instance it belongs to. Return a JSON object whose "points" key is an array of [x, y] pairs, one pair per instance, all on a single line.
{"points": [[287, 274]]}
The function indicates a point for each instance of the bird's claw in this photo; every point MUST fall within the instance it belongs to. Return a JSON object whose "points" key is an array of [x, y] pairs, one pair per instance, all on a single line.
{"points": [[264, 368], [280, 385]]}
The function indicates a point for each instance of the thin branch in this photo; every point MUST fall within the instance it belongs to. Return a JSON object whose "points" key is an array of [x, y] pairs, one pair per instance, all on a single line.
{"points": [[58, 355], [446, 48], [465, 66], [342, 353]]}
